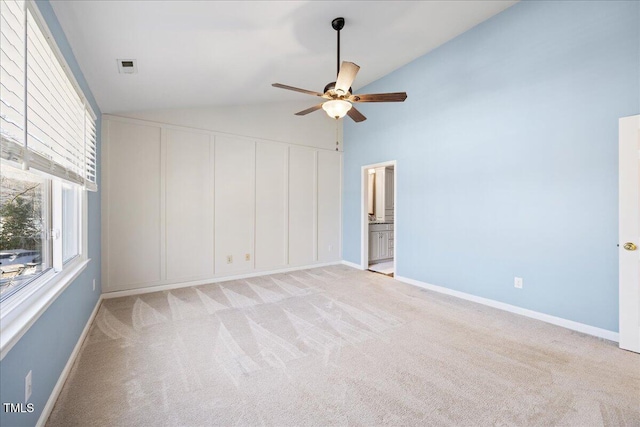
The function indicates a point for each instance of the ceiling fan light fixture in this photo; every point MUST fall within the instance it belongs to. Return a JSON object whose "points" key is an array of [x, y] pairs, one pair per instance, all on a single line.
{"points": [[336, 108]]}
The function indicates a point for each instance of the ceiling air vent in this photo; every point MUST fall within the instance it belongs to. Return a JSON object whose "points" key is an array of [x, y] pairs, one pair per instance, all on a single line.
{"points": [[127, 66]]}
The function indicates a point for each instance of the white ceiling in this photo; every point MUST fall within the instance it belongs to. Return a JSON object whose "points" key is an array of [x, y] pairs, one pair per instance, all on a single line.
{"points": [[207, 53]]}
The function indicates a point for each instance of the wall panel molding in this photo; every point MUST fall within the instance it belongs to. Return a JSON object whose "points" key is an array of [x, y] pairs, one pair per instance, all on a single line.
{"points": [[269, 205]]}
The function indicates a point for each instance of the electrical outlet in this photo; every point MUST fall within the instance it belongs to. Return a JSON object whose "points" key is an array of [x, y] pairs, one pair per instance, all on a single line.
{"points": [[247, 257], [330, 248], [27, 387], [229, 259], [517, 282], [94, 284]]}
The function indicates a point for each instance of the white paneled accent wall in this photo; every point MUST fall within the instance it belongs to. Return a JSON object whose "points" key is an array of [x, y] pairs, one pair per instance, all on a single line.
{"points": [[182, 205]]}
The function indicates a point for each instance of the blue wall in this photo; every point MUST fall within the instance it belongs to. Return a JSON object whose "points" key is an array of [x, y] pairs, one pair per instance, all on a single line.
{"points": [[46, 347], [507, 157]]}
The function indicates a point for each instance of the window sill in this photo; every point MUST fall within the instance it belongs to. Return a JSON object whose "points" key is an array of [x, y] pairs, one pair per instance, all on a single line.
{"points": [[22, 310]]}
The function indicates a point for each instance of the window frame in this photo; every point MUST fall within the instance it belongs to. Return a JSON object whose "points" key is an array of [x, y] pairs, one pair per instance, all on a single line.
{"points": [[23, 308]]}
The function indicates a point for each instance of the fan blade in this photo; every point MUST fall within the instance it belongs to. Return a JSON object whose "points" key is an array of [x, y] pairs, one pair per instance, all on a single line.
{"points": [[356, 115], [297, 89], [309, 110], [380, 97], [346, 76]]}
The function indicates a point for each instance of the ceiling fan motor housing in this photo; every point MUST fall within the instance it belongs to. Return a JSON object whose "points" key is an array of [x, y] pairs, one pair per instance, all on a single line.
{"points": [[329, 90]]}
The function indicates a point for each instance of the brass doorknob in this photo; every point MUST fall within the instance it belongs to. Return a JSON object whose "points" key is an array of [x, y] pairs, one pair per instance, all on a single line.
{"points": [[630, 246]]}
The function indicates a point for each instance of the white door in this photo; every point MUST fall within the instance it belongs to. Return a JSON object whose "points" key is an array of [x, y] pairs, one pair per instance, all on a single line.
{"points": [[629, 190]]}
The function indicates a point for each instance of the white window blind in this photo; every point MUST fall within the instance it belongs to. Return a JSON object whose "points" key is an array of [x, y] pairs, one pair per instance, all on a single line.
{"points": [[60, 128], [55, 112], [12, 75], [90, 151]]}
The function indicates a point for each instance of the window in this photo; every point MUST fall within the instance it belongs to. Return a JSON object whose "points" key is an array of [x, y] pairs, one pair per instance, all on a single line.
{"points": [[35, 214], [24, 249], [47, 162]]}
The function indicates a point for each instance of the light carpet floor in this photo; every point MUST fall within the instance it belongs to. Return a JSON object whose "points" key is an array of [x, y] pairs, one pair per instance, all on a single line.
{"points": [[338, 346]]}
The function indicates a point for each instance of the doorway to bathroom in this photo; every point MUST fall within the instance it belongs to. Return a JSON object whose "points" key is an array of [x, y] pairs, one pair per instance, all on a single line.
{"points": [[379, 218]]}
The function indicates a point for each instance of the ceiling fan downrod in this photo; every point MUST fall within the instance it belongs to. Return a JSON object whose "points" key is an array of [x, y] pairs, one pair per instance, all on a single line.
{"points": [[337, 25]]}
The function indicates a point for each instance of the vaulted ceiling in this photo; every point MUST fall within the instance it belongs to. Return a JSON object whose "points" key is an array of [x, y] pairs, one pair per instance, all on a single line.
{"points": [[211, 53]]}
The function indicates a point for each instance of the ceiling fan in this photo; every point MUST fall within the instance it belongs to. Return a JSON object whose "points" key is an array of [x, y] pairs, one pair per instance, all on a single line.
{"points": [[338, 94]]}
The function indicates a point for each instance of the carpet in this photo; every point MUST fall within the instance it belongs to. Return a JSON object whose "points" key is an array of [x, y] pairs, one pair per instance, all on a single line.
{"points": [[337, 346]]}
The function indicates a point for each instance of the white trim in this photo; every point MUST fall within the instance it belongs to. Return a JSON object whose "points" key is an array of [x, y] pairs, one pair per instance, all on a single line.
{"points": [[16, 321], [212, 177], [139, 291], [287, 184], [314, 204], [352, 264], [84, 219], [340, 254], [162, 196], [56, 225], [44, 415], [104, 205], [569, 324]]}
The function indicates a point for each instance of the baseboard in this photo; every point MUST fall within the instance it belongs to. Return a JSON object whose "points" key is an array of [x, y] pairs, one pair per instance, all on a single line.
{"points": [[569, 324], [171, 286], [352, 264], [46, 411]]}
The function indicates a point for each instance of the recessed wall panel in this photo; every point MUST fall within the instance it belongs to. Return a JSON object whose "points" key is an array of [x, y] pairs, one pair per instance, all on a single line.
{"points": [[133, 205], [189, 205], [329, 170], [302, 206], [271, 205], [234, 204]]}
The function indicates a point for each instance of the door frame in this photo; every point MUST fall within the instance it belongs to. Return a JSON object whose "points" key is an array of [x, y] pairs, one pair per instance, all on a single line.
{"points": [[629, 231], [364, 214]]}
